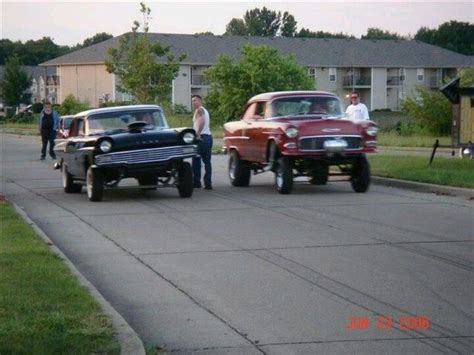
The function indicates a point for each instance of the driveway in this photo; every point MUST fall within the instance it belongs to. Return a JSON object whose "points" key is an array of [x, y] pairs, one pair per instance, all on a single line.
{"points": [[246, 270]]}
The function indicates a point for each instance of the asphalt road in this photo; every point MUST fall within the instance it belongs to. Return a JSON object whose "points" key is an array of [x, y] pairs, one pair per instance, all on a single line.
{"points": [[246, 270]]}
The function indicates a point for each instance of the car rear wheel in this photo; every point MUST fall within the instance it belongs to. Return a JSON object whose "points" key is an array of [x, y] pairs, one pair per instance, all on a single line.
{"points": [[148, 180], [284, 176], [360, 175], [319, 175], [68, 183], [95, 185], [238, 170], [185, 180]]}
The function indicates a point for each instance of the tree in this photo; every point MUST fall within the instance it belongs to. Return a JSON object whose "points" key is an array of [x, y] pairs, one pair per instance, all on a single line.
{"points": [[97, 38], [288, 25], [71, 106], [304, 32], [264, 22], [205, 33], [135, 63], [236, 27], [15, 83], [431, 110], [259, 69], [467, 77], [453, 35], [377, 33]]}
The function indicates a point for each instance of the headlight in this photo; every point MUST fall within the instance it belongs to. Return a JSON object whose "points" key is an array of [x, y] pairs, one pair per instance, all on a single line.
{"points": [[188, 137], [291, 132], [372, 131], [105, 146]]}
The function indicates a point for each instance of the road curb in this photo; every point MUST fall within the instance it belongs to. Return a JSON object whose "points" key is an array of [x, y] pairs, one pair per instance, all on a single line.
{"points": [[129, 341], [423, 187]]}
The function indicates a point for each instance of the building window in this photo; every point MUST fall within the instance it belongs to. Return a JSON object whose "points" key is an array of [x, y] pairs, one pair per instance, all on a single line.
{"points": [[420, 74], [312, 73], [401, 73], [332, 74]]}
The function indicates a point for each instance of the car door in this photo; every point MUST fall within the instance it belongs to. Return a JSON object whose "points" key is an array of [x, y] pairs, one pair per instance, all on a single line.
{"points": [[255, 129], [72, 152]]}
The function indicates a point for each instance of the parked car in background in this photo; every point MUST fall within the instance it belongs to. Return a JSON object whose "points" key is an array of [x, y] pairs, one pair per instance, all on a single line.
{"points": [[64, 125], [298, 133], [107, 145]]}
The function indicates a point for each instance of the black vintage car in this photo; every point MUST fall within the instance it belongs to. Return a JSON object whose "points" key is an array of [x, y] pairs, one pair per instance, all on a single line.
{"points": [[107, 145]]}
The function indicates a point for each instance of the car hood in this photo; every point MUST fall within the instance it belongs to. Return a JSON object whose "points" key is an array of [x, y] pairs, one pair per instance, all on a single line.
{"points": [[144, 139]]}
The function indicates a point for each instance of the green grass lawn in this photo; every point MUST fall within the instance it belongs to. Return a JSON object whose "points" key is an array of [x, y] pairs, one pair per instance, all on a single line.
{"points": [[443, 171], [43, 309], [392, 139]]}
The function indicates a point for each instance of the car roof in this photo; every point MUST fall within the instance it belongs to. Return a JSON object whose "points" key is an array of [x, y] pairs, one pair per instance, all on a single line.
{"points": [[118, 108], [276, 94]]}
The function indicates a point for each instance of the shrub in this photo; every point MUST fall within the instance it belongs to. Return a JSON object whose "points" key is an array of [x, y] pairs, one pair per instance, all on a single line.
{"points": [[24, 117], [71, 106], [259, 69], [430, 110], [37, 107]]}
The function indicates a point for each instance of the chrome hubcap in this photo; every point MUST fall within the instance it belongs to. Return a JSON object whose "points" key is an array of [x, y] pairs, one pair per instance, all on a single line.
{"points": [[89, 183], [64, 175], [279, 178], [232, 168]]}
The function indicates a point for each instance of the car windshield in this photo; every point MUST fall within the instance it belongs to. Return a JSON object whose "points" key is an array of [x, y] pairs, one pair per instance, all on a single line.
{"points": [[306, 105], [114, 122]]}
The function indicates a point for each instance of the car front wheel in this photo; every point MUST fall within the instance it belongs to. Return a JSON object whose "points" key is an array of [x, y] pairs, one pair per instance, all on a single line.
{"points": [[68, 183], [185, 180], [95, 185], [238, 170], [284, 175], [360, 175]]}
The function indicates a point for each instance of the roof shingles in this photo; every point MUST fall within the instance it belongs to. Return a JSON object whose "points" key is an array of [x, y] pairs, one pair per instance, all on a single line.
{"points": [[203, 49]]}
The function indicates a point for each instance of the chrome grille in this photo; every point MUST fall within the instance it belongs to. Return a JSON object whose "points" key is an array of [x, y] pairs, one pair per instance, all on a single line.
{"points": [[151, 155], [317, 143]]}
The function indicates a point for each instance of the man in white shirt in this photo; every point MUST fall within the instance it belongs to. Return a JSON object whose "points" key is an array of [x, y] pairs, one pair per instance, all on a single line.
{"points": [[201, 124], [357, 110]]}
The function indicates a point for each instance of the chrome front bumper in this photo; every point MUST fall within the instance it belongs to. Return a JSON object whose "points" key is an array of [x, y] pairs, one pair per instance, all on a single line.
{"points": [[144, 156]]}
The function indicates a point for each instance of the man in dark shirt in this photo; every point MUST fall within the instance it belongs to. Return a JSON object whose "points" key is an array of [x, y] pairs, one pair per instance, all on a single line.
{"points": [[48, 125]]}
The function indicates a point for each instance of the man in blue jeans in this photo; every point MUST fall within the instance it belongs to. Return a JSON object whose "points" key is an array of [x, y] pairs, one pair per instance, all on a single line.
{"points": [[201, 126], [48, 126]]}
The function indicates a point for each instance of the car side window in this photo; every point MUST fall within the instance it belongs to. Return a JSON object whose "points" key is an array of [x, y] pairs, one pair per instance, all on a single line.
{"points": [[77, 128], [249, 112], [260, 110]]}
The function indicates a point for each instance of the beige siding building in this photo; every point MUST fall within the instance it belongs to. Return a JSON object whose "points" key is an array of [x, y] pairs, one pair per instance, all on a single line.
{"points": [[384, 72]]}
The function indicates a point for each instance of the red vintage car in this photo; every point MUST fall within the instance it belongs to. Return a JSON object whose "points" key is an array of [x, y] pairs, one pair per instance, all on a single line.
{"points": [[298, 133]]}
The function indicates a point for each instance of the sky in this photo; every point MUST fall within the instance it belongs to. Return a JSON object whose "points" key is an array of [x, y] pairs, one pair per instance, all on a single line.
{"points": [[70, 22]]}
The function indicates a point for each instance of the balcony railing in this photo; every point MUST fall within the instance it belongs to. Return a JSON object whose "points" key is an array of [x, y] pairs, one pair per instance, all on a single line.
{"points": [[199, 80], [394, 81], [351, 81]]}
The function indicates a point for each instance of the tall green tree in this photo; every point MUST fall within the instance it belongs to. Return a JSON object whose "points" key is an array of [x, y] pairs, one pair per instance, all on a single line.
{"points": [[262, 22], [377, 33], [453, 35], [97, 38], [15, 83], [259, 69], [305, 32], [236, 27], [136, 62], [288, 25]]}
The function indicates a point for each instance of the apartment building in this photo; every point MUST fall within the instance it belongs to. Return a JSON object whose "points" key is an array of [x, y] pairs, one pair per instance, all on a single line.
{"points": [[385, 72]]}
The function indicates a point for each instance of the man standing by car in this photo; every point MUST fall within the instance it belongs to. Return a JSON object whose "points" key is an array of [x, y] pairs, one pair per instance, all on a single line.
{"points": [[203, 132], [357, 110], [48, 125]]}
